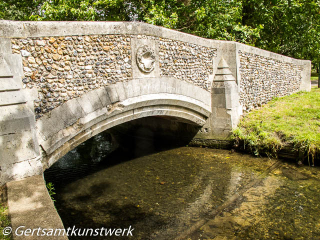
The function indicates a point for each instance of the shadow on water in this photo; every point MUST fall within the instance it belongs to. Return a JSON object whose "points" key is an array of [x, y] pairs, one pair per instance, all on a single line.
{"points": [[137, 175], [118, 216], [96, 187], [122, 143]]}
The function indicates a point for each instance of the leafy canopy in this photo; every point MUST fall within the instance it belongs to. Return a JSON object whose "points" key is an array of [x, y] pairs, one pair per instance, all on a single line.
{"points": [[289, 27]]}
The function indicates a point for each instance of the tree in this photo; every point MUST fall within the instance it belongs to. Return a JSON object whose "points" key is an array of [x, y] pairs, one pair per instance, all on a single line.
{"points": [[289, 27], [19, 9]]}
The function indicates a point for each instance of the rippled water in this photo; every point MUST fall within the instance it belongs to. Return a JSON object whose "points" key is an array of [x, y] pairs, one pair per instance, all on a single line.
{"points": [[186, 193]]}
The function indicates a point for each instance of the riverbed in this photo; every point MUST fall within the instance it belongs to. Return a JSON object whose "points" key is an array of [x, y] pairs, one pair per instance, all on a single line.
{"points": [[186, 193]]}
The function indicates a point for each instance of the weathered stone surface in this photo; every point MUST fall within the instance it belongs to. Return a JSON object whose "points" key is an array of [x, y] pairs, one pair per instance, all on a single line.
{"points": [[263, 78], [31, 206], [17, 134], [112, 93], [4, 68], [103, 96], [69, 68], [85, 79], [9, 84], [85, 104], [187, 62]]}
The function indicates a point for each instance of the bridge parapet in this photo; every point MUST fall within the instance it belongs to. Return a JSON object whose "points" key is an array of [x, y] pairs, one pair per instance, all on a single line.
{"points": [[63, 82]]}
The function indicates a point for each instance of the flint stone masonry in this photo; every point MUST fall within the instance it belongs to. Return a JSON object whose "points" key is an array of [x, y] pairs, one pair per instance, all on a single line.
{"points": [[263, 78], [187, 62], [65, 67], [62, 68], [62, 83]]}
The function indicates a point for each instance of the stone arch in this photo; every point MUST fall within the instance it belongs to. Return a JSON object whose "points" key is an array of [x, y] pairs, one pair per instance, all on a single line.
{"points": [[79, 119]]}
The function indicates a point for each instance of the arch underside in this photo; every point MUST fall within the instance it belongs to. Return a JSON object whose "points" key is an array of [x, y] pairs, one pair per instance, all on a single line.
{"points": [[75, 121]]}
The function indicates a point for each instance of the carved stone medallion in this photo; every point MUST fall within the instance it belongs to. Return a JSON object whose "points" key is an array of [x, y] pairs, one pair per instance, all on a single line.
{"points": [[145, 59]]}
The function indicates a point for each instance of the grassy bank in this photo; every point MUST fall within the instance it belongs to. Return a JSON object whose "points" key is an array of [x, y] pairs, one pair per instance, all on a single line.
{"points": [[292, 121], [4, 219]]}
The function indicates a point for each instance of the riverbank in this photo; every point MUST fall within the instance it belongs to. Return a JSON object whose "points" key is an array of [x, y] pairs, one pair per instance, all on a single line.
{"points": [[288, 125]]}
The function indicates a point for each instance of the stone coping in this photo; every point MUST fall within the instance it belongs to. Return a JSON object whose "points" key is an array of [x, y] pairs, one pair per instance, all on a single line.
{"points": [[30, 207], [24, 29]]}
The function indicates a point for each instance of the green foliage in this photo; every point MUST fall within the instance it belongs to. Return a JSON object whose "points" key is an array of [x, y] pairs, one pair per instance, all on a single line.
{"points": [[289, 27], [4, 221], [51, 190], [22, 10], [289, 120], [212, 19]]}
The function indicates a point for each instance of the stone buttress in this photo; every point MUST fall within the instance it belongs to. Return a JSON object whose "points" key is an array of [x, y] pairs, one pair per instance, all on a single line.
{"points": [[19, 148]]}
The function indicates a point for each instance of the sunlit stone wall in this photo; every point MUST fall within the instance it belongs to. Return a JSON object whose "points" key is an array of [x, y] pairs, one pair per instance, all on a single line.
{"points": [[66, 67], [263, 78]]}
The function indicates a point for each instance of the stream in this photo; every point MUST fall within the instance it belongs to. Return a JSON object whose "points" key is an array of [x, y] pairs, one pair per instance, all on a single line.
{"points": [[185, 193]]}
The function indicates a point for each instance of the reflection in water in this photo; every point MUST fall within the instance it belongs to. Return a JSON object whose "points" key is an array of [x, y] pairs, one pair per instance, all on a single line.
{"points": [[173, 194]]}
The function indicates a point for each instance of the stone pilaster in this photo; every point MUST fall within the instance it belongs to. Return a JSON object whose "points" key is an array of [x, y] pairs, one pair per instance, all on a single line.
{"points": [[226, 109], [19, 148]]}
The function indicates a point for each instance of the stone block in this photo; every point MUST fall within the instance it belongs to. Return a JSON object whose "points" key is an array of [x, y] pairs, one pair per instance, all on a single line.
{"points": [[132, 88], [219, 100], [103, 95], [177, 86], [65, 114], [18, 147], [75, 109], [85, 104], [5, 45], [12, 97], [190, 91], [163, 86], [16, 119], [154, 85], [31, 206], [218, 90], [94, 99], [5, 70], [93, 118], [128, 88], [112, 93], [14, 62], [222, 113], [171, 85], [144, 86], [135, 83], [9, 84], [121, 91], [49, 125], [183, 88], [136, 43], [205, 97], [16, 97], [54, 141], [20, 170]]}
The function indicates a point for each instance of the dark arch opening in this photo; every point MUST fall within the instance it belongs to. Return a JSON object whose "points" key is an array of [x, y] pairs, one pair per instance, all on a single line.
{"points": [[112, 149], [132, 139]]}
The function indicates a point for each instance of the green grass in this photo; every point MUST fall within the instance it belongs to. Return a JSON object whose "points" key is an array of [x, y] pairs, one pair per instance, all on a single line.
{"points": [[291, 120], [4, 221], [314, 76]]}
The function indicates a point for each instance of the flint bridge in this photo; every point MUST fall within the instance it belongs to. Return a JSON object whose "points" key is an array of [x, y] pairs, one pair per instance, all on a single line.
{"points": [[64, 82]]}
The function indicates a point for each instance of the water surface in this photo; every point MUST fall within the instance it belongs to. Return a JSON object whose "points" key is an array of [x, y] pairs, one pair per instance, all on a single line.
{"points": [[186, 193]]}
